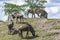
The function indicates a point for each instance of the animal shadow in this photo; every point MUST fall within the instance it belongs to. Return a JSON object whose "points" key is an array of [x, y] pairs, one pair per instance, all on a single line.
{"points": [[31, 37]]}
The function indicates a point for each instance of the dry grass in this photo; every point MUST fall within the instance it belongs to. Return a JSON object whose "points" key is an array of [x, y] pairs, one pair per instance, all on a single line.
{"points": [[39, 32]]}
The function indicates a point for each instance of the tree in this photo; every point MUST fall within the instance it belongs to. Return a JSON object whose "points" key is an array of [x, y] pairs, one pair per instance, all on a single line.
{"points": [[36, 3], [10, 8]]}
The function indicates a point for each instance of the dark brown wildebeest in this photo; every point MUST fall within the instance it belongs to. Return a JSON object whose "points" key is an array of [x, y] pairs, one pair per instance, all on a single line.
{"points": [[38, 11], [27, 28], [10, 26], [17, 16]]}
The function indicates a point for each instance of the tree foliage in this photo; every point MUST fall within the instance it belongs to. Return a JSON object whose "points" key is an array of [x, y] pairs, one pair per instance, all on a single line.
{"points": [[36, 3], [9, 8]]}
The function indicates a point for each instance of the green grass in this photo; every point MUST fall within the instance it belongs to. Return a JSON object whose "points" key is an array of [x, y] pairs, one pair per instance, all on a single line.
{"points": [[41, 34], [56, 27]]}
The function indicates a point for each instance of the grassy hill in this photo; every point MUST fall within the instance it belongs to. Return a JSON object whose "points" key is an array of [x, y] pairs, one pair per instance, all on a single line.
{"points": [[46, 29]]}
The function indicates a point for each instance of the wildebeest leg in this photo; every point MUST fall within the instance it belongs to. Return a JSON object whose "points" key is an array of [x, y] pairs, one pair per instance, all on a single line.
{"points": [[20, 20], [20, 33], [9, 32], [38, 14], [27, 34], [28, 15], [34, 15], [45, 15], [16, 20], [23, 19]]}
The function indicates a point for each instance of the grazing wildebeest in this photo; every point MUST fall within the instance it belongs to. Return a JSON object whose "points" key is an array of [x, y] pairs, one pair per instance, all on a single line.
{"points": [[10, 26], [27, 28], [38, 11], [17, 16]]}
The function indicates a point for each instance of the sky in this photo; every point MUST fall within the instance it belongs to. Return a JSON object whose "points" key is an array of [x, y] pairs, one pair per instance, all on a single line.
{"points": [[52, 8]]}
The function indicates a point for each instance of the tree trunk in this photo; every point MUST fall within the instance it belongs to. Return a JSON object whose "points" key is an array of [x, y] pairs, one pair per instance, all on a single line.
{"points": [[9, 17]]}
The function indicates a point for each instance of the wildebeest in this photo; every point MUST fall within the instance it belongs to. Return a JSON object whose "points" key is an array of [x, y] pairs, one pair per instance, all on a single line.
{"points": [[38, 11], [27, 28], [10, 26], [43, 14], [17, 16], [32, 12]]}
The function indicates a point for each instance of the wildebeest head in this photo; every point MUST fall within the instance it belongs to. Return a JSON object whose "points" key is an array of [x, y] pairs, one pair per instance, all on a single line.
{"points": [[32, 31]]}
